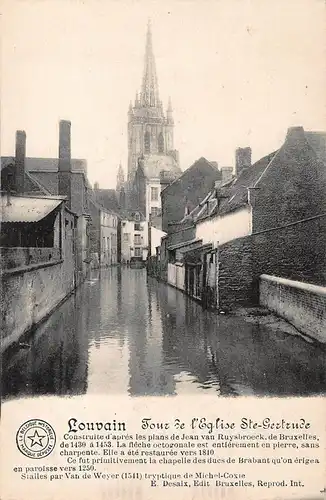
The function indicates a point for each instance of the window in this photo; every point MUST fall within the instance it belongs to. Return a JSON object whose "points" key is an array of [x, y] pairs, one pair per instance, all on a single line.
{"points": [[126, 237], [155, 211], [138, 252], [161, 143], [147, 142], [154, 194], [137, 227], [137, 239], [137, 216]]}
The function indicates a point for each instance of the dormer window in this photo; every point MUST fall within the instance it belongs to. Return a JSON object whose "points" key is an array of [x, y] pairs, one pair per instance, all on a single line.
{"points": [[137, 216]]}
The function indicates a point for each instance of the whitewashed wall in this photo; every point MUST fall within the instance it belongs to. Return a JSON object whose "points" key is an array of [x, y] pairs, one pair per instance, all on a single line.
{"points": [[225, 228], [156, 235], [149, 202], [176, 275]]}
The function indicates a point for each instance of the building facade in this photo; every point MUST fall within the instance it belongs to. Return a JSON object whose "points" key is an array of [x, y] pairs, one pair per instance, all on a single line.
{"points": [[62, 176], [38, 260], [268, 220], [134, 237], [103, 236]]}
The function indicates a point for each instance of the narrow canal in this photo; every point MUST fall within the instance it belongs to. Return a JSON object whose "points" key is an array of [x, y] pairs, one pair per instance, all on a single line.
{"points": [[125, 333]]}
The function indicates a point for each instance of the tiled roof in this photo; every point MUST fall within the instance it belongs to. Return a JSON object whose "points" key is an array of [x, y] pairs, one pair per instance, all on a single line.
{"points": [[235, 193], [101, 207], [47, 164], [31, 184], [232, 195], [130, 215], [107, 198], [317, 141], [186, 172], [35, 185]]}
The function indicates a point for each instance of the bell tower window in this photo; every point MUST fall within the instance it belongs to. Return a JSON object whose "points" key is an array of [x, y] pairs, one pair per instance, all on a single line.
{"points": [[147, 141], [161, 143]]}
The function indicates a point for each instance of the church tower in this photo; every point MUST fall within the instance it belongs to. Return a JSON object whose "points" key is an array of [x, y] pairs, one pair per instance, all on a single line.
{"points": [[150, 132]]}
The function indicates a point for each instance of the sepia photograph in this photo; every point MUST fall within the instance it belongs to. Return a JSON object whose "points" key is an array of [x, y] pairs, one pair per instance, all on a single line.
{"points": [[163, 216]]}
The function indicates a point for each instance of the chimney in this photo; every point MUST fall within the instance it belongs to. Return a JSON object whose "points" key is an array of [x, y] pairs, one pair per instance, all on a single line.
{"points": [[295, 136], [96, 186], [227, 174], [242, 160], [217, 184], [20, 156], [64, 171]]}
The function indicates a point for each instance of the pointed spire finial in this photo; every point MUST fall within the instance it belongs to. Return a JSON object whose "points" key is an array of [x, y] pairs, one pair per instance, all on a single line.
{"points": [[149, 96]]}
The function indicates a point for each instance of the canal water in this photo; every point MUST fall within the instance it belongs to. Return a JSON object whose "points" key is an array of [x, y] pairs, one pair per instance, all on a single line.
{"points": [[125, 333]]}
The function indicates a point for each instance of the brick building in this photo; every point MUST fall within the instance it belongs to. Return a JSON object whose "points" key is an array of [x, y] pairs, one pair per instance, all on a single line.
{"points": [[269, 219]]}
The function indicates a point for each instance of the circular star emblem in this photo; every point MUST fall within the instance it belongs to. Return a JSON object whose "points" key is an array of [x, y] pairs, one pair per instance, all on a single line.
{"points": [[35, 438]]}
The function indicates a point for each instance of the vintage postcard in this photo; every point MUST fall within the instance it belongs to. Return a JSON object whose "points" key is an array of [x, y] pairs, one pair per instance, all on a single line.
{"points": [[163, 250]]}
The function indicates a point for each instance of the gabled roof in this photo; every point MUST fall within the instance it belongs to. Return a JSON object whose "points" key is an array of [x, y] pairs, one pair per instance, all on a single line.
{"points": [[32, 185], [101, 207], [232, 195], [130, 215], [107, 198], [213, 165], [36, 183], [34, 164], [235, 193]]}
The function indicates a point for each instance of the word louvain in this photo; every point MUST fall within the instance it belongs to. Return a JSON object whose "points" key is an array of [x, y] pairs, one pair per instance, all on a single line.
{"points": [[75, 425]]}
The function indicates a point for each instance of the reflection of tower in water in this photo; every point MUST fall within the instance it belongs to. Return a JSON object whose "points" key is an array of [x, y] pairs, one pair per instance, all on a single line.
{"points": [[148, 375]]}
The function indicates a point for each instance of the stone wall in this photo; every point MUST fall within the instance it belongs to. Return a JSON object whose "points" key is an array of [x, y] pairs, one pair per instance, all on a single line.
{"points": [[302, 304], [293, 187], [30, 293], [235, 274], [183, 234], [296, 252], [13, 257]]}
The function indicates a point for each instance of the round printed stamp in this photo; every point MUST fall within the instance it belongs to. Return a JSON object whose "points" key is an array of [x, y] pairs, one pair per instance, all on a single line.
{"points": [[35, 438]]}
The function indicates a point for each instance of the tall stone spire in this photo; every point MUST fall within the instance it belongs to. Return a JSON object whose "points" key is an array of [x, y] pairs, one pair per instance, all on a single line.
{"points": [[149, 93], [120, 177]]}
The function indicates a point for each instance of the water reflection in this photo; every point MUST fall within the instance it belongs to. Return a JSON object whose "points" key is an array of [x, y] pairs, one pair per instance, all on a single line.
{"points": [[125, 333]]}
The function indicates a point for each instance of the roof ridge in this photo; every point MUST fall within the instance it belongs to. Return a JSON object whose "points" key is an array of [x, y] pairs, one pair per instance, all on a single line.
{"points": [[185, 171], [268, 165]]}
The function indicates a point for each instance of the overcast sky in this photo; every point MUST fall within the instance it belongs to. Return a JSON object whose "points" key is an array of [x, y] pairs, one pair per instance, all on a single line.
{"points": [[239, 73]]}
